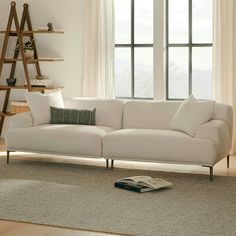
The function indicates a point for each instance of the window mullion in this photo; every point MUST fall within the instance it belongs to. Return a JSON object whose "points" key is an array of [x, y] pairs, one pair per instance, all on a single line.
{"points": [[167, 48], [190, 46], [132, 48]]}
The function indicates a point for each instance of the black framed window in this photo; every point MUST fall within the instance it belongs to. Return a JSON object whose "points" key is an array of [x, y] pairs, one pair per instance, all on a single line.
{"points": [[134, 49], [189, 48]]}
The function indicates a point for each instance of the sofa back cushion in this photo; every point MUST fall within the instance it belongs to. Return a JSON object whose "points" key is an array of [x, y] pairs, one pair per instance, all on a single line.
{"points": [[149, 114], [109, 112], [158, 114], [224, 112]]}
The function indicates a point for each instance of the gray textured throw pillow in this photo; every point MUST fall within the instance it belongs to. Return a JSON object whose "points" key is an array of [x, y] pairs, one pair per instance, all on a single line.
{"points": [[72, 116]]}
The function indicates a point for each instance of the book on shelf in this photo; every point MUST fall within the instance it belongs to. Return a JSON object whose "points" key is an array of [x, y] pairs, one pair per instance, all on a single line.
{"points": [[38, 86], [142, 184], [42, 82]]}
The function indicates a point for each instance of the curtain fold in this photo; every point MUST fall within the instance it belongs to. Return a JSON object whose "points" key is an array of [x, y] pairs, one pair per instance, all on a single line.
{"points": [[98, 74], [224, 56]]}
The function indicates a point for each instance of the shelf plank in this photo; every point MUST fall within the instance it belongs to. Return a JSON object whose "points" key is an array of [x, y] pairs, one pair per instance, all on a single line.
{"points": [[43, 32], [6, 114], [32, 61], [45, 60], [27, 33], [5, 87], [39, 89]]}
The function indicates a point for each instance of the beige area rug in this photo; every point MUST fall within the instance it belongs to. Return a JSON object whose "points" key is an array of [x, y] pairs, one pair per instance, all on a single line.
{"points": [[83, 197]]}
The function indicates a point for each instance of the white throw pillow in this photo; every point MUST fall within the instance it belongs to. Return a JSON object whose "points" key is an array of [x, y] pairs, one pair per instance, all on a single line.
{"points": [[40, 105], [191, 114]]}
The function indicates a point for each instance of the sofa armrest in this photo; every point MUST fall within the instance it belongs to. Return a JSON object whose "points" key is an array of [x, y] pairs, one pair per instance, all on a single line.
{"points": [[219, 132], [22, 120]]}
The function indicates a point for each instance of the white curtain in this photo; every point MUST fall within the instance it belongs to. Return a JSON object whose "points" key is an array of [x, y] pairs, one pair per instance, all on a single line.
{"points": [[224, 55], [98, 74]]}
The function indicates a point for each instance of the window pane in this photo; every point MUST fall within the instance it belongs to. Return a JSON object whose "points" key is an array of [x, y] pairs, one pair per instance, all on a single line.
{"points": [[178, 21], [122, 72], [202, 21], [178, 72], [122, 21], [143, 72], [143, 21], [202, 72]]}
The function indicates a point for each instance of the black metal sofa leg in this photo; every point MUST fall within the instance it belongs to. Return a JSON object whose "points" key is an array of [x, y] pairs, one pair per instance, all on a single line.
{"points": [[211, 173], [107, 163], [112, 164], [8, 157], [228, 161]]}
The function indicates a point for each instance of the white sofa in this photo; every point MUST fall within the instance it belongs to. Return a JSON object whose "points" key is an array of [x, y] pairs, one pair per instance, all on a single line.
{"points": [[133, 130]]}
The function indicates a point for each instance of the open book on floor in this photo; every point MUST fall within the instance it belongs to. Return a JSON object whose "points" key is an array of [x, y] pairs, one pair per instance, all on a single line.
{"points": [[142, 184]]}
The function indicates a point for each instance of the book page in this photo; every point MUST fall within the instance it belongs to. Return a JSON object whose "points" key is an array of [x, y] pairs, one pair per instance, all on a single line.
{"points": [[136, 179], [147, 181], [158, 183]]}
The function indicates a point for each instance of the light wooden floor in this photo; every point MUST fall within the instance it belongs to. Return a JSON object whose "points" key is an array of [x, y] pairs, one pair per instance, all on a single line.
{"points": [[8, 228]]}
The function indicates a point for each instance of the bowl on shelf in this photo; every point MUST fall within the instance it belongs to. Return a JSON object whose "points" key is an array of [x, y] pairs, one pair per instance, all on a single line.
{"points": [[11, 81], [29, 54]]}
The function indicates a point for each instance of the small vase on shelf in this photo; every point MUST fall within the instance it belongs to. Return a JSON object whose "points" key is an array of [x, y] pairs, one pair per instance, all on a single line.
{"points": [[50, 27], [29, 54], [11, 81]]}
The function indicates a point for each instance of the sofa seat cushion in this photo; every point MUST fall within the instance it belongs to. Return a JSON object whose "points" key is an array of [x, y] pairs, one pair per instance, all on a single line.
{"points": [[159, 146], [78, 140]]}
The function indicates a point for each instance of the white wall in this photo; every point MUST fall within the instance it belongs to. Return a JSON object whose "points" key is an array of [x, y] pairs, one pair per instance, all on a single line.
{"points": [[65, 15]]}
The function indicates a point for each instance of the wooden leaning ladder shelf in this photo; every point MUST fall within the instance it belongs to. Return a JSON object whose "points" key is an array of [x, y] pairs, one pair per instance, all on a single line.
{"points": [[20, 33]]}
